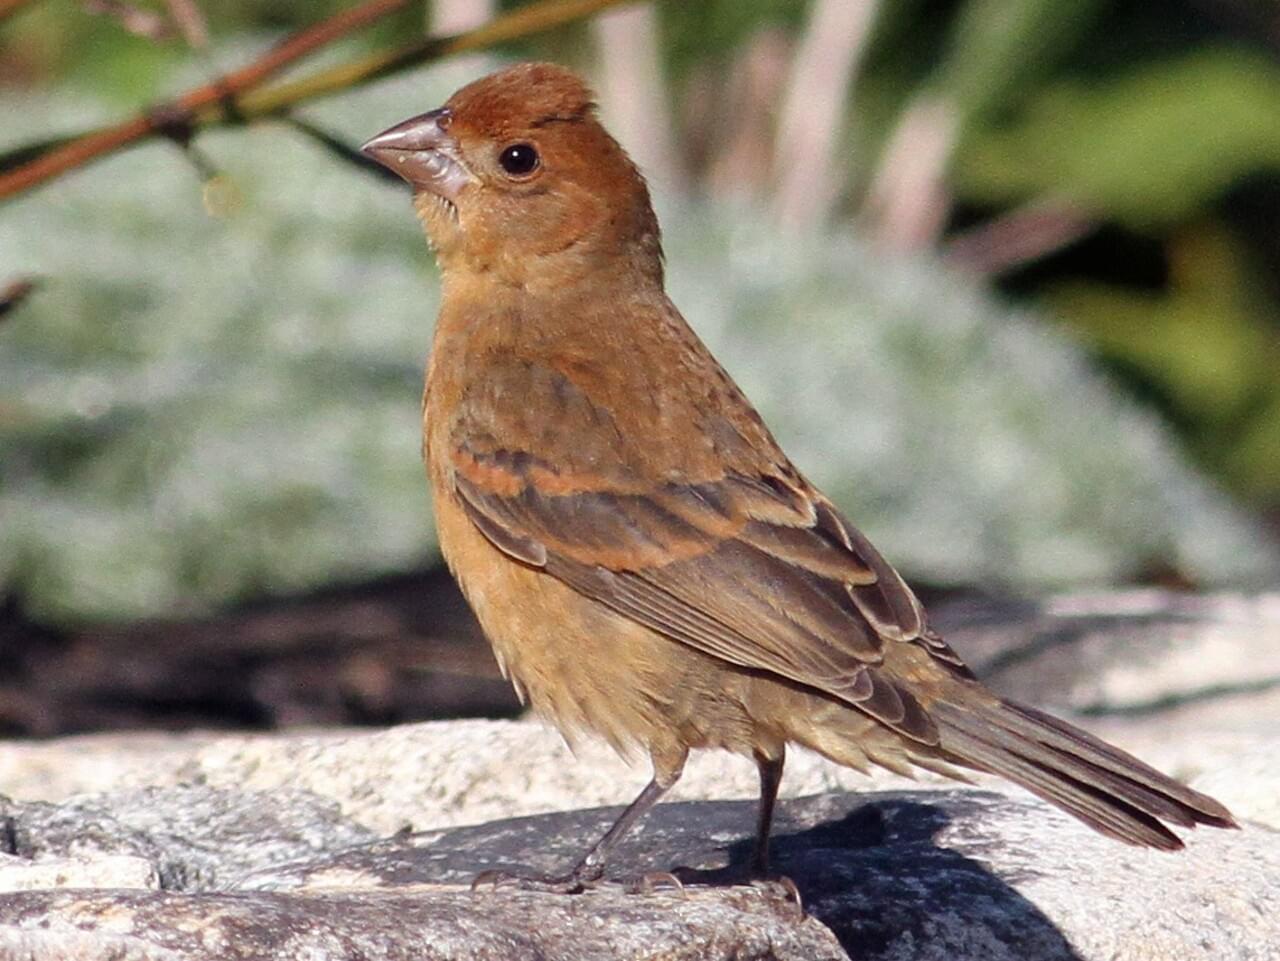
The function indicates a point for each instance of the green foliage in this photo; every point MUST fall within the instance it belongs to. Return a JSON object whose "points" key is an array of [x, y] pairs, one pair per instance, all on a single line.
{"points": [[1147, 147], [1150, 119], [713, 30], [1199, 350], [998, 48], [1155, 146], [197, 409]]}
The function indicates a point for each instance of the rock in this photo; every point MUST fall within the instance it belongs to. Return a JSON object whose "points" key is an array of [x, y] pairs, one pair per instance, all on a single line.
{"points": [[430, 925], [1188, 681], [921, 875], [191, 836], [1135, 653], [436, 774], [361, 843], [100, 871], [1248, 784]]}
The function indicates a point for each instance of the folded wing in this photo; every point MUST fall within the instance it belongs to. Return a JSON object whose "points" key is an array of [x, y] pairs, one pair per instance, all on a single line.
{"points": [[754, 570]]}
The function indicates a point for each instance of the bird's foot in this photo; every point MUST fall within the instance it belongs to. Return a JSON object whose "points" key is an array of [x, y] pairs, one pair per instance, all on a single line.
{"points": [[571, 883], [575, 882], [774, 886], [654, 881], [783, 888]]}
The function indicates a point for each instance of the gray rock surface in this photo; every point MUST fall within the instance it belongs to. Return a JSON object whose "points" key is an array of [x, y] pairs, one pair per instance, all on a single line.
{"points": [[359, 844], [1136, 653], [917, 875], [742, 925], [1189, 682], [190, 836]]}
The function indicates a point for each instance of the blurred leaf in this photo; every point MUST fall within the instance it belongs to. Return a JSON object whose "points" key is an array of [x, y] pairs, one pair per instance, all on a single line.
{"points": [[1198, 341], [1000, 48], [1201, 347], [713, 29], [1253, 458], [1147, 148], [14, 293]]}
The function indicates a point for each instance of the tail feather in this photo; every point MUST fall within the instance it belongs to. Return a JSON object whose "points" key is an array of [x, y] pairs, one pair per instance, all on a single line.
{"points": [[1101, 785]]}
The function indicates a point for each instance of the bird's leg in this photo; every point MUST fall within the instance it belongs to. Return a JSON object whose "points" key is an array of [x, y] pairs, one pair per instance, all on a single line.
{"points": [[770, 769], [591, 868]]}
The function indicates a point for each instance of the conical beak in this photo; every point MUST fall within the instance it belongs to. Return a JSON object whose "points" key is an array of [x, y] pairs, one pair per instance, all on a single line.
{"points": [[422, 152]]}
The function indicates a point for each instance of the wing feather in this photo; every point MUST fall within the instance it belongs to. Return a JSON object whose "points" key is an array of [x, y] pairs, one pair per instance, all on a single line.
{"points": [[750, 570]]}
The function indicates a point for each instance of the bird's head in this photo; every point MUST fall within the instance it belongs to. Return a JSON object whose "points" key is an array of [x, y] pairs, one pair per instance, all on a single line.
{"points": [[514, 177]]}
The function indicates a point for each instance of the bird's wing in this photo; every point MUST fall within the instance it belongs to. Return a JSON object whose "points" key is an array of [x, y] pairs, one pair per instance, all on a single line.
{"points": [[754, 570]]}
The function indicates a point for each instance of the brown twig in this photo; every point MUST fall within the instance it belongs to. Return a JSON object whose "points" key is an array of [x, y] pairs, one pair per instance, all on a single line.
{"points": [[164, 119], [239, 97], [190, 22], [908, 198], [1019, 236], [14, 294], [522, 22], [133, 19], [809, 125]]}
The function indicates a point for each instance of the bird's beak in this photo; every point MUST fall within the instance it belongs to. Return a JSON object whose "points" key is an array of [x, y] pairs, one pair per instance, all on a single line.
{"points": [[421, 151]]}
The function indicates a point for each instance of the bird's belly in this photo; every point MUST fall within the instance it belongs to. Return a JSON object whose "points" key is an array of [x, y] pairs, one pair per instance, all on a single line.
{"points": [[589, 670]]}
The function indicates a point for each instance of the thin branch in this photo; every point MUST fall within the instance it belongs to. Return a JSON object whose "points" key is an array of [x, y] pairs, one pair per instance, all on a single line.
{"points": [[239, 96], [291, 49], [133, 19], [1020, 236], [168, 118], [812, 115], [14, 293], [340, 149], [523, 22], [191, 22], [908, 199]]}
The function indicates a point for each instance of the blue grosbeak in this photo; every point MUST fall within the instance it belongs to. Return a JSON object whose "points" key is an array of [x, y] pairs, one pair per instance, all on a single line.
{"points": [[647, 563]]}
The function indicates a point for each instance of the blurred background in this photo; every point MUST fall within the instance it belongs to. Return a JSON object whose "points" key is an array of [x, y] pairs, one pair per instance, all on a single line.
{"points": [[1003, 276]]}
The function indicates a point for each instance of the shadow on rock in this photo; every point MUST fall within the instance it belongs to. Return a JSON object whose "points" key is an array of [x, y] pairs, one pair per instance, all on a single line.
{"points": [[877, 877], [879, 880], [871, 867]]}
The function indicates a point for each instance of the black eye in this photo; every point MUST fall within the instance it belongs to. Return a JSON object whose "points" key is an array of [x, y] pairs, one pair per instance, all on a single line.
{"points": [[519, 159]]}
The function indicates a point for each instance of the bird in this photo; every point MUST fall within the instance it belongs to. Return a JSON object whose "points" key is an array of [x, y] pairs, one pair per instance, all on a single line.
{"points": [[648, 565]]}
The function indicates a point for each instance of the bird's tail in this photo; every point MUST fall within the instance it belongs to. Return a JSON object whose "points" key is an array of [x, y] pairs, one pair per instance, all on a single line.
{"points": [[1101, 785]]}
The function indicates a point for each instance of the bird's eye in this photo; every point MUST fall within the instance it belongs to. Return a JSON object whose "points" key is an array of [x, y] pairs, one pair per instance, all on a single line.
{"points": [[519, 159]]}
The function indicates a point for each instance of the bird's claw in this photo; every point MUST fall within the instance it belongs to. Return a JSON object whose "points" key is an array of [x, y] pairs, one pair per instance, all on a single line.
{"points": [[571, 883], [575, 882], [789, 891], [494, 879], [651, 882]]}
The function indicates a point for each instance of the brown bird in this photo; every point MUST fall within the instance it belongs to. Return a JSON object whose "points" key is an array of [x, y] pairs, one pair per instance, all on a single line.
{"points": [[646, 561]]}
